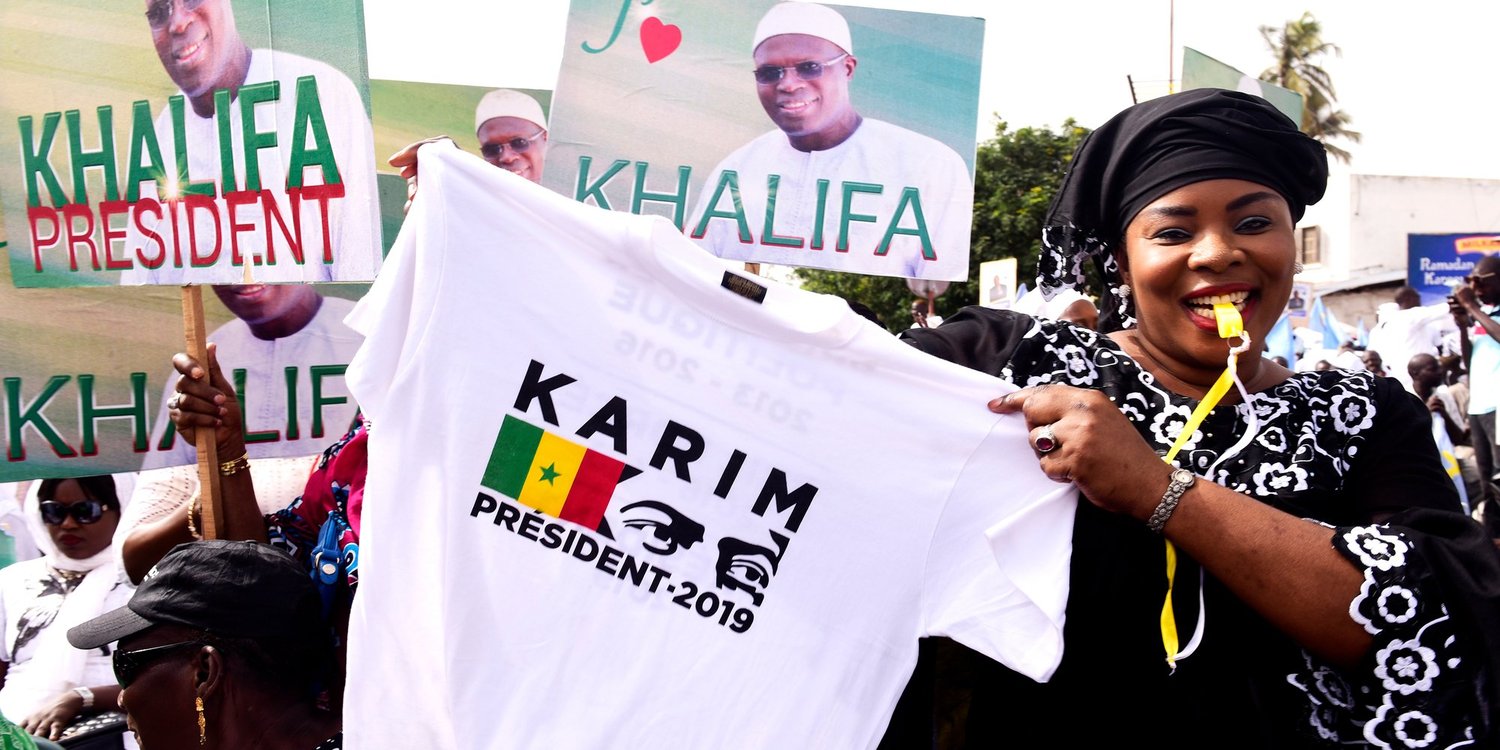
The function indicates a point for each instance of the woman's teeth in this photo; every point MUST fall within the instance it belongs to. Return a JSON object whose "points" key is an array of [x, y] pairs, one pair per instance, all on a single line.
{"points": [[1205, 305]]}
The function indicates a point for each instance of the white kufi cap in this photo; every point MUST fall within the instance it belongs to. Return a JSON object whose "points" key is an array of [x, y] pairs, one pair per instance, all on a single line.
{"points": [[804, 18], [508, 103]]}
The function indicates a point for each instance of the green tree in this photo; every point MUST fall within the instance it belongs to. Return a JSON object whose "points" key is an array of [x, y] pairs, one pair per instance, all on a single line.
{"points": [[1016, 174], [1298, 49]]}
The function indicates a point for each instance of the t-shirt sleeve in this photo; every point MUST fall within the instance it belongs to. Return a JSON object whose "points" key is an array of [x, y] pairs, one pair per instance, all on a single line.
{"points": [[394, 313], [997, 566]]}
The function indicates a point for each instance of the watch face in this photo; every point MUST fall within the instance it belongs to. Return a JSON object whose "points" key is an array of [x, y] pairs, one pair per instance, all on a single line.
{"points": [[1182, 476]]}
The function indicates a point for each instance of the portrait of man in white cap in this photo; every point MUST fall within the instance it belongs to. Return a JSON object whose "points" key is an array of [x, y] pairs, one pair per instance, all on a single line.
{"points": [[512, 132], [829, 182], [335, 237]]}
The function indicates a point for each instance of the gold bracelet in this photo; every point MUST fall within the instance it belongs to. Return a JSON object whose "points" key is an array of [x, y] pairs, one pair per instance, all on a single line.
{"points": [[192, 510], [235, 465]]}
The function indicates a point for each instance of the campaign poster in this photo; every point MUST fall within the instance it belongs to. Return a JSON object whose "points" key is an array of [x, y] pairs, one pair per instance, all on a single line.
{"points": [[1300, 301], [185, 142], [997, 283], [406, 112], [843, 140], [85, 373], [1436, 263], [1199, 71]]}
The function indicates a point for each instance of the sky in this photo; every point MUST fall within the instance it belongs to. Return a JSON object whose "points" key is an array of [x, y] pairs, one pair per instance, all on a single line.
{"points": [[1419, 79]]}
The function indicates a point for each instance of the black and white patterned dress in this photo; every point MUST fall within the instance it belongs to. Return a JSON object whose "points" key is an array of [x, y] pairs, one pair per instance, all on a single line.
{"points": [[1346, 449]]}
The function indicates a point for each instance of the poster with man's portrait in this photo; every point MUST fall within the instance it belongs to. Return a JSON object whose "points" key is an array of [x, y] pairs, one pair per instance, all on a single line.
{"points": [[790, 133], [186, 141], [997, 283], [507, 126]]}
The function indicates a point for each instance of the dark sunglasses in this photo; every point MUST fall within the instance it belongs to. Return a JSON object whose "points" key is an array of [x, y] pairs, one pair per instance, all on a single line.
{"points": [[518, 145], [1473, 277], [807, 71], [128, 664], [89, 511], [159, 13]]}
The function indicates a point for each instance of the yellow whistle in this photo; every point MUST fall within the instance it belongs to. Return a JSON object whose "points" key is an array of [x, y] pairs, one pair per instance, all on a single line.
{"points": [[1230, 322]]}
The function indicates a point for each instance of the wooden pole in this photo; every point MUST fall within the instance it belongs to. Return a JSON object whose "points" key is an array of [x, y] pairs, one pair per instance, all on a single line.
{"points": [[208, 449]]}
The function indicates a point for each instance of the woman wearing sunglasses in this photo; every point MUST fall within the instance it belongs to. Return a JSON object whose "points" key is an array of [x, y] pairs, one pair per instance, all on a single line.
{"points": [[48, 684]]}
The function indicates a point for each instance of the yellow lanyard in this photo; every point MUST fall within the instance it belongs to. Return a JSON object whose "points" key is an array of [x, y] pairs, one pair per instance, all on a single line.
{"points": [[1231, 325]]}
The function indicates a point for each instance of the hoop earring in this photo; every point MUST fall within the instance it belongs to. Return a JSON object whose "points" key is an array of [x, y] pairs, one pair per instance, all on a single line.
{"points": [[202, 722]]}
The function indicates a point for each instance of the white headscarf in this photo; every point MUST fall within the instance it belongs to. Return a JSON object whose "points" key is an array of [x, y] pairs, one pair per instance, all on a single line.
{"points": [[57, 665]]}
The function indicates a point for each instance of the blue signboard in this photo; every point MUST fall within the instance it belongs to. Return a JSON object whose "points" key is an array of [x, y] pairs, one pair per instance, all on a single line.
{"points": [[1435, 263]]}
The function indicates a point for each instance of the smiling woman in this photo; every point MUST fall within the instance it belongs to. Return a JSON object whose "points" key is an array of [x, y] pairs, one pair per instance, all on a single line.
{"points": [[1318, 584]]}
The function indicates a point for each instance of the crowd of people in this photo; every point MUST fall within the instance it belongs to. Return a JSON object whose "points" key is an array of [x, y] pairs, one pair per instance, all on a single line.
{"points": [[1291, 567], [1441, 353]]}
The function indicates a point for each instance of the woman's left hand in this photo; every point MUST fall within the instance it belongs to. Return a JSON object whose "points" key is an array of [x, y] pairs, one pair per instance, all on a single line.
{"points": [[52, 719], [1096, 448], [406, 161]]}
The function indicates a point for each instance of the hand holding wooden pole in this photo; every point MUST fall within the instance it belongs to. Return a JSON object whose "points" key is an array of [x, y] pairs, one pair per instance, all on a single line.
{"points": [[208, 450]]}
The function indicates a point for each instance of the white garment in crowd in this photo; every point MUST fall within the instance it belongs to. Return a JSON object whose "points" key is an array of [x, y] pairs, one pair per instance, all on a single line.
{"points": [[13, 522], [1033, 303], [1400, 335], [878, 155], [773, 539], [1484, 367], [352, 228], [40, 662]]}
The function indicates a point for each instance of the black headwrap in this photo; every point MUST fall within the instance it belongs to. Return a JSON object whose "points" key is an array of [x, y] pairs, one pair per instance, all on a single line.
{"points": [[1152, 149]]}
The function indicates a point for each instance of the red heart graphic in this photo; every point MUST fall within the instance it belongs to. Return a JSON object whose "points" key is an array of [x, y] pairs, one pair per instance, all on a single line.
{"points": [[659, 39]]}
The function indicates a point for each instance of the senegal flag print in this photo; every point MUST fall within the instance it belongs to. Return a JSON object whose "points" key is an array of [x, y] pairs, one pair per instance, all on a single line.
{"points": [[552, 474]]}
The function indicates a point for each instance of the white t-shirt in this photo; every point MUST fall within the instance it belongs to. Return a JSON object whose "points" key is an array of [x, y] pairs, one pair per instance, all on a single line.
{"points": [[791, 497], [877, 167], [350, 223], [1402, 334], [1484, 368]]}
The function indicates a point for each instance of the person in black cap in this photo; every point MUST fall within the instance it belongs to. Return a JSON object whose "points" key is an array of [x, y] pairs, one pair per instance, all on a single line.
{"points": [[1300, 574], [221, 646]]}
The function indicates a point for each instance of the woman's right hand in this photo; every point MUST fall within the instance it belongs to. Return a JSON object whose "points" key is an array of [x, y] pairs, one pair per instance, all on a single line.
{"points": [[205, 398], [50, 721]]}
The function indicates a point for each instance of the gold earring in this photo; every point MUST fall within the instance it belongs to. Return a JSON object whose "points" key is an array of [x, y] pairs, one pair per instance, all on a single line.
{"points": [[202, 722]]}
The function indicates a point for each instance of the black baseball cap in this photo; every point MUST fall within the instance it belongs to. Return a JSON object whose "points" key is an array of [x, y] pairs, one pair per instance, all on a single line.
{"points": [[230, 589]]}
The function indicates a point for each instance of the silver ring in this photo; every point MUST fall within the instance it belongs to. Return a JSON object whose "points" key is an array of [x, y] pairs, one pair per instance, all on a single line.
{"points": [[175, 401], [1045, 441]]}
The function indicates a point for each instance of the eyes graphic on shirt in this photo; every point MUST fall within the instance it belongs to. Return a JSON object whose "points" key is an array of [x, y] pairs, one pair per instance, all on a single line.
{"points": [[666, 528], [747, 567]]}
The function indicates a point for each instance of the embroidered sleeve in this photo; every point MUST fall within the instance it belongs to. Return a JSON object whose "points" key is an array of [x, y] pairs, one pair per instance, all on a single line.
{"points": [[1415, 688]]}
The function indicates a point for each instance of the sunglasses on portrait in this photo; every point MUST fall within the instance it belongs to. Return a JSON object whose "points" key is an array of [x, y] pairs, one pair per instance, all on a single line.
{"points": [[128, 664], [517, 145], [1473, 277], [55, 513], [159, 13], [807, 71]]}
